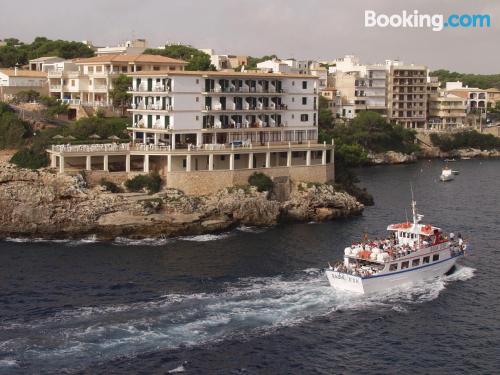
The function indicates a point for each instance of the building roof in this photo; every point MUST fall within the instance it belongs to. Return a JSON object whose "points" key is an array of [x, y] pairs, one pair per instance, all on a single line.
{"points": [[494, 90], [219, 74], [23, 73], [45, 58], [130, 58], [329, 89]]}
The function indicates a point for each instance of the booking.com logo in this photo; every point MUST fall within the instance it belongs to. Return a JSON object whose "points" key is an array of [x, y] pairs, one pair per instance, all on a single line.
{"points": [[434, 21]]}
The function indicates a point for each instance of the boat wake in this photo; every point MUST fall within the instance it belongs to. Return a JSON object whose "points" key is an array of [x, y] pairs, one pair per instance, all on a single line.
{"points": [[249, 306]]}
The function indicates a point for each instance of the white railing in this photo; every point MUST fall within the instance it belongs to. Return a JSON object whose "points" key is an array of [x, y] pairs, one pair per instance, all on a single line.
{"points": [[104, 147]]}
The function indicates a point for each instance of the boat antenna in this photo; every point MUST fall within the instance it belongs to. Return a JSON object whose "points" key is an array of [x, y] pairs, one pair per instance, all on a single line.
{"points": [[413, 206]]}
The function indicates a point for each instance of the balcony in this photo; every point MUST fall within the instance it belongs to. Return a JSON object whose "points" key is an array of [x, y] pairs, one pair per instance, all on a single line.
{"points": [[152, 107], [144, 88], [245, 108], [243, 90], [55, 87]]}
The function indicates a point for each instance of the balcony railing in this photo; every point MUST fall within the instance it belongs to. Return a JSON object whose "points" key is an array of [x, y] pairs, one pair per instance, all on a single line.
{"points": [[152, 107], [144, 88], [247, 90]]}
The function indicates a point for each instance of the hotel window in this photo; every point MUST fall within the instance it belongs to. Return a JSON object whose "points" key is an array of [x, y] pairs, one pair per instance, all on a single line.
{"points": [[304, 117], [293, 99], [405, 265], [72, 83], [435, 257], [293, 116], [236, 156], [426, 260], [197, 99], [184, 163], [293, 83], [393, 267], [156, 68], [197, 81], [223, 157], [304, 100], [197, 118], [415, 262], [304, 85]]}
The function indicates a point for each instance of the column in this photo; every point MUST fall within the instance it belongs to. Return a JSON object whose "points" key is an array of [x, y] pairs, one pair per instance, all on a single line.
{"points": [[146, 164], [199, 139], [323, 157], [156, 138], [268, 159], [88, 163], [332, 155], [250, 160], [308, 157], [188, 163], [61, 164], [231, 162], [289, 158], [133, 137], [172, 141], [169, 163], [106, 166], [127, 163], [210, 162], [53, 160]]}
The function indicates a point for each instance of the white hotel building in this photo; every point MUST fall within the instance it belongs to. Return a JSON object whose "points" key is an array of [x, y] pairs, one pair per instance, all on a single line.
{"points": [[206, 130]]}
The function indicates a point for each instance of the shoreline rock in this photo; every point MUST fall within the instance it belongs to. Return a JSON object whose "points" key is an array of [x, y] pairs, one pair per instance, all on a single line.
{"points": [[43, 204]]}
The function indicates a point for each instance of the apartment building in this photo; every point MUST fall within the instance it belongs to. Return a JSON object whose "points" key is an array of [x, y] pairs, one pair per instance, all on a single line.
{"points": [[407, 95], [447, 112], [493, 96], [88, 81], [477, 99], [207, 130], [15, 80], [293, 66], [222, 62], [42, 64]]}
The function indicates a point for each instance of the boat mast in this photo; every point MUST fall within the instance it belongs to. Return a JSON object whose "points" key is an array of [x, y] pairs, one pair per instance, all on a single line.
{"points": [[415, 216]]}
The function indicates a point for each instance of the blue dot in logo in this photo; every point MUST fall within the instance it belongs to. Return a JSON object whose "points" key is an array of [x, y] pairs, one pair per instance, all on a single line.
{"points": [[446, 24]]}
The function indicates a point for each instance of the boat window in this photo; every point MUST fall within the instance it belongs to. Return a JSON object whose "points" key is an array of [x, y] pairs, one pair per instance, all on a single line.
{"points": [[435, 257], [426, 260], [405, 264], [415, 262], [393, 267]]}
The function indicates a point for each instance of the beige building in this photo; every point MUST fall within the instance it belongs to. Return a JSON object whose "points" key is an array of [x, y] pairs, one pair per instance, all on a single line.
{"points": [[447, 112], [493, 96], [87, 82], [15, 80], [407, 95]]}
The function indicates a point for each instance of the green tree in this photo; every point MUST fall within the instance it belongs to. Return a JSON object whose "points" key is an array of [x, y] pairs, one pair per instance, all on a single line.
{"points": [[196, 59], [119, 94], [482, 81], [253, 61], [325, 117]]}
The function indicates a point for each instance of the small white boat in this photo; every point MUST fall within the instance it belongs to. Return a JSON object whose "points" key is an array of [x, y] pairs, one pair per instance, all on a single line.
{"points": [[455, 172], [414, 252], [465, 158], [446, 174], [448, 160]]}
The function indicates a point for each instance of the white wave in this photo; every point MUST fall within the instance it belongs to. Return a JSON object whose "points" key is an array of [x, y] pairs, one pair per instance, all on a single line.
{"points": [[249, 229], [253, 305], [34, 240], [84, 241], [7, 362], [123, 241], [205, 237]]}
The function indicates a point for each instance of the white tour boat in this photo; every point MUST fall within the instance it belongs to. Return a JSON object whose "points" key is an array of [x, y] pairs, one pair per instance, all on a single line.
{"points": [[413, 252], [446, 174]]}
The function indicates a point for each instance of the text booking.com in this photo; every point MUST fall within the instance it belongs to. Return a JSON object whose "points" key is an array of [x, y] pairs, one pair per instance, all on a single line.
{"points": [[436, 22]]}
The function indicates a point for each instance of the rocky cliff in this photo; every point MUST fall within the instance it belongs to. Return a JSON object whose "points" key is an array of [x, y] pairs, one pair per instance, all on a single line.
{"points": [[391, 157], [43, 204]]}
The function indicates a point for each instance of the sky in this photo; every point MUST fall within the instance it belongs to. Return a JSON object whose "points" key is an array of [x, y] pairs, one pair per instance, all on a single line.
{"points": [[303, 29]]}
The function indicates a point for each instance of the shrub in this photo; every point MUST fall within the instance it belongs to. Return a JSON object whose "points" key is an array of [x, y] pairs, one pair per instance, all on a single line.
{"points": [[152, 183], [110, 186], [261, 181], [29, 158], [26, 96]]}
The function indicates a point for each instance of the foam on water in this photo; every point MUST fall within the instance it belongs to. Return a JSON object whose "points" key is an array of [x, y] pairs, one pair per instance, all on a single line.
{"points": [[249, 306], [206, 237], [123, 241]]}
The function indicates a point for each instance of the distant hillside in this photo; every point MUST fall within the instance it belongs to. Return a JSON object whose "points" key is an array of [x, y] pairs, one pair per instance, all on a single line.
{"points": [[483, 81]]}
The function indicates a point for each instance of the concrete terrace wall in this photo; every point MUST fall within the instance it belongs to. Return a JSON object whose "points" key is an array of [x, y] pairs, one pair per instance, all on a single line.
{"points": [[206, 182]]}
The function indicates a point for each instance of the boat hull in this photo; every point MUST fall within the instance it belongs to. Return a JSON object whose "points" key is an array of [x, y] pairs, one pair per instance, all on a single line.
{"points": [[378, 283]]}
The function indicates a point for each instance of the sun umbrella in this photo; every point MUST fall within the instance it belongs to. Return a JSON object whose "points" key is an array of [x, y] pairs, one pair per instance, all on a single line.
{"points": [[59, 136], [70, 137], [94, 136], [114, 137]]}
